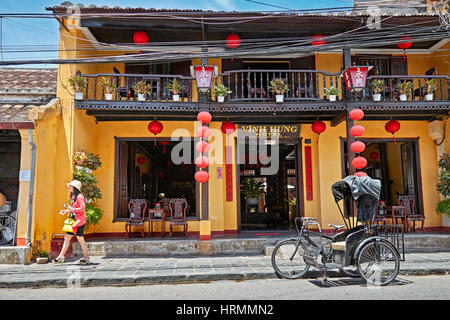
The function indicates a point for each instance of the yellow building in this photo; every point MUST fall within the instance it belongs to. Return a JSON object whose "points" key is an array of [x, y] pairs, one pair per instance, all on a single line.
{"points": [[295, 165]]}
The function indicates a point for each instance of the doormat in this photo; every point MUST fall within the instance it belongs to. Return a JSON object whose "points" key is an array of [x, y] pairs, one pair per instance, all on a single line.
{"points": [[268, 234]]}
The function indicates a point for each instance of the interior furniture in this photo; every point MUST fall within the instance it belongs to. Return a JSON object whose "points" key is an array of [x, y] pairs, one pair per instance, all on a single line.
{"points": [[137, 209], [152, 213], [409, 203], [177, 208]]}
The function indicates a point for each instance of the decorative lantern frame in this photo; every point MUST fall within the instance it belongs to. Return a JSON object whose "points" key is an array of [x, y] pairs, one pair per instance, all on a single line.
{"points": [[355, 77]]}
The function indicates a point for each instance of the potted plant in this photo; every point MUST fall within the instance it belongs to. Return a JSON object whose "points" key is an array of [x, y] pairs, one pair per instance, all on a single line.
{"points": [[79, 158], [404, 89], [443, 186], [252, 189], [430, 86], [175, 87], [78, 84], [142, 88], [278, 87], [221, 91], [108, 86], [377, 87], [42, 257], [93, 214], [331, 93]]}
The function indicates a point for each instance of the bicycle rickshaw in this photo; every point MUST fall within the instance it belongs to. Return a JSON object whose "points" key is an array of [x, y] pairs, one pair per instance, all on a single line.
{"points": [[357, 250]]}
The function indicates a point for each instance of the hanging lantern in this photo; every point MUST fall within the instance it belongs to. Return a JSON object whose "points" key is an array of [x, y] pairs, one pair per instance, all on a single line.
{"points": [[360, 174], [141, 37], [406, 43], [355, 77], [155, 127], [373, 155], [202, 147], [392, 127], [228, 127], [161, 175], [359, 162], [141, 160], [356, 114], [357, 131], [202, 162], [164, 144], [318, 127], [233, 41], [203, 132], [318, 40], [204, 117], [358, 146], [201, 176]]}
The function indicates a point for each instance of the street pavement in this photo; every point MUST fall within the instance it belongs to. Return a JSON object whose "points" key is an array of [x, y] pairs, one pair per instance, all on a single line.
{"points": [[123, 271]]}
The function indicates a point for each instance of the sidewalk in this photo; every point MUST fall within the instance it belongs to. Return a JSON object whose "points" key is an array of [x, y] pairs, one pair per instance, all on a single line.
{"points": [[116, 271]]}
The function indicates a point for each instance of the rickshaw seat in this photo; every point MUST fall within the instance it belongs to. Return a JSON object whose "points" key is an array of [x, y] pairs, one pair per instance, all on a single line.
{"points": [[338, 245], [337, 226]]}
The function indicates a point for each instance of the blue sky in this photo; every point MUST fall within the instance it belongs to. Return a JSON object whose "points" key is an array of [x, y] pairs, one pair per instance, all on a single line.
{"points": [[26, 32]]}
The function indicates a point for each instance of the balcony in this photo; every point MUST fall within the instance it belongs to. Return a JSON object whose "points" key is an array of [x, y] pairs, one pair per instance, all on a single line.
{"points": [[250, 94]]}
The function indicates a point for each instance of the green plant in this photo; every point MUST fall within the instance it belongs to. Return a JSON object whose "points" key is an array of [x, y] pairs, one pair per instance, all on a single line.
{"points": [[42, 254], [278, 86], [93, 161], [88, 184], [107, 84], [332, 91], [142, 87], [443, 186], [77, 83], [221, 90], [93, 214], [377, 86], [79, 158], [174, 86], [252, 188], [430, 86], [404, 87]]}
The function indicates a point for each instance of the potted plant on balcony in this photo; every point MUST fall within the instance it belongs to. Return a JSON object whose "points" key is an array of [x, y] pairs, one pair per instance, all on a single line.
{"points": [[278, 87], [142, 88], [252, 189], [108, 86], [175, 87], [404, 90], [221, 91], [78, 84], [331, 93], [430, 86], [377, 87]]}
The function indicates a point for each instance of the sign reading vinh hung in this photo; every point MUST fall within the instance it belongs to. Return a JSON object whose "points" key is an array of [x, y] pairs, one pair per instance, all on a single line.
{"points": [[277, 131]]}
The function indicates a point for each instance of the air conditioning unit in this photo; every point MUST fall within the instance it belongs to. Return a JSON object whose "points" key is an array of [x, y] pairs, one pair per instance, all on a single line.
{"points": [[436, 129]]}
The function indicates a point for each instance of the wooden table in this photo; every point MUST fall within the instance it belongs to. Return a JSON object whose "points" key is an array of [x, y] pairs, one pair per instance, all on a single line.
{"points": [[151, 219], [393, 215]]}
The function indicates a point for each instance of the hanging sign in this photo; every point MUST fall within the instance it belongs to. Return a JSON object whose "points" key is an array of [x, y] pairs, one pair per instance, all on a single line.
{"points": [[229, 173], [203, 76], [355, 77], [308, 174], [280, 131]]}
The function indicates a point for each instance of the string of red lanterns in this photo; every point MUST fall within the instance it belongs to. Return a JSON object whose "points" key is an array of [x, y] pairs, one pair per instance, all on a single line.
{"points": [[202, 146], [358, 162]]}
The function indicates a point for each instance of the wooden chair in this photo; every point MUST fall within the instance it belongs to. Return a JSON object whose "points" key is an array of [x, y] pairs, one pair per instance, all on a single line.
{"points": [[137, 209], [255, 92], [121, 92], [178, 214], [380, 217], [410, 212]]}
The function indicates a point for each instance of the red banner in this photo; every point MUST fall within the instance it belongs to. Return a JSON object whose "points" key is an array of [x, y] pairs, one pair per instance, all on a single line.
{"points": [[229, 172], [308, 173]]}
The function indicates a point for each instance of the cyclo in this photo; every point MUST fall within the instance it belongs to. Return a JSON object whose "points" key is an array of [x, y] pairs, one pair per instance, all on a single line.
{"points": [[357, 250]]}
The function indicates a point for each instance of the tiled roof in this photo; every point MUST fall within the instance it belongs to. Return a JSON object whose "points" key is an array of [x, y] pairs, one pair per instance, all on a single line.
{"points": [[24, 80], [14, 113]]}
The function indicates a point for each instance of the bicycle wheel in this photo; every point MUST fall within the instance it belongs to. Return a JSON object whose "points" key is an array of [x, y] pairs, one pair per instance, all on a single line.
{"points": [[378, 263], [350, 271], [285, 263]]}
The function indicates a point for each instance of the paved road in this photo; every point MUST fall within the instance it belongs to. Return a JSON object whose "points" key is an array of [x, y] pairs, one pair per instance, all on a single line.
{"points": [[405, 287]]}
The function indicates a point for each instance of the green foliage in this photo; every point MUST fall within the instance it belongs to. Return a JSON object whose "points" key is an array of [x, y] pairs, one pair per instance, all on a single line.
{"points": [[174, 86], [404, 87], [107, 84], [88, 160], [77, 83], [443, 207], [88, 184], [252, 188], [142, 87], [430, 86], [93, 214], [332, 91], [43, 254], [221, 90], [377, 86], [443, 186], [278, 86]]}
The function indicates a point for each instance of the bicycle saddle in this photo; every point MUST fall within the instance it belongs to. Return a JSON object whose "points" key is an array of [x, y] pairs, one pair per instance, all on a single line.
{"points": [[336, 226]]}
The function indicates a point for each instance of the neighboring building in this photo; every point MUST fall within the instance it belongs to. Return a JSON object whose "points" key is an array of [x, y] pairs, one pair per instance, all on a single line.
{"points": [[137, 164]]}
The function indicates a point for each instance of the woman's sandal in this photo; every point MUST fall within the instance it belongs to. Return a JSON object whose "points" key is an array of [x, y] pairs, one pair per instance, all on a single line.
{"points": [[82, 261], [58, 261]]}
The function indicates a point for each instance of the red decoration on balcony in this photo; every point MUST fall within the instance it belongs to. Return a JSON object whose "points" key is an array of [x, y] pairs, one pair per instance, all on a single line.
{"points": [[202, 162], [392, 127], [141, 160], [201, 176], [155, 127], [228, 127], [141, 37], [356, 114], [318, 40], [355, 77], [358, 146], [359, 162], [357, 131], [203, 132], [406, 43], [373, 155], [204, 117], [202, 147], [233, 41], [360, 174]]}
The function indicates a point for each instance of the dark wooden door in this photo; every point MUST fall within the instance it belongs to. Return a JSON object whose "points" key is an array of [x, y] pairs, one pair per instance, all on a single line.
{"points": [[123, 180]]}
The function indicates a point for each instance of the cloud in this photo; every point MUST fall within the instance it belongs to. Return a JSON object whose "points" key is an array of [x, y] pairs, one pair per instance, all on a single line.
{"points": [[225, 4]]}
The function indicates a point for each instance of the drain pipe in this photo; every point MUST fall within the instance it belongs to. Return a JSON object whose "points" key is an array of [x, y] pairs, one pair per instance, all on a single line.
{"points": [[30, 193]]}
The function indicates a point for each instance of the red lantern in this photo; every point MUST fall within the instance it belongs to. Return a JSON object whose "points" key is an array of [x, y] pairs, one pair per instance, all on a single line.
{"points": [[359, 162], [202, 147], [141, 37], [141, 160], [228, 127], [204, 117], [406, 43], [155, 127], [356, 114], [360, 174], [161, 175], [357, 131], [233, 41], [202, 162], [203, 132], [358, 146], [201, 176], [392, 127], [373, 155], [164, 143], [318, 40], [318, 127]]}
